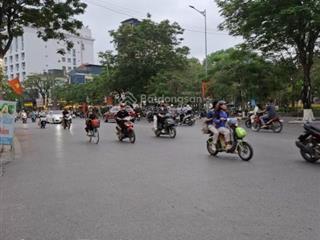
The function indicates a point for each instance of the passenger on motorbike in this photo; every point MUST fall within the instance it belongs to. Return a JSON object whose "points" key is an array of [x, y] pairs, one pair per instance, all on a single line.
{"points": [[220, 120], [211, 125], [269, 113], [257, 109], [121, 115], [90, 116]]}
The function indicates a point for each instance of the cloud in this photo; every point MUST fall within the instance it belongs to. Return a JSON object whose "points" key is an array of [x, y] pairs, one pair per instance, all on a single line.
{"points": [[105, 15]]}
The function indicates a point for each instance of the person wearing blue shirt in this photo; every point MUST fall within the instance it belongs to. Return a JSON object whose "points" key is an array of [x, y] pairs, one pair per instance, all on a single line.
{"points": [[211, 125], [220, 121]]}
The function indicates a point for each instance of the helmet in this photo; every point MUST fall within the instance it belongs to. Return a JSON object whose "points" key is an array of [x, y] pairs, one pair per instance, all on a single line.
{"points": [[122, 105], [221, 102]]}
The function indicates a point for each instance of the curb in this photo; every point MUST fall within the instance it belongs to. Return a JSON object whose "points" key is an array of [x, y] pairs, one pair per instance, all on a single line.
{"points": [[302, 122]]}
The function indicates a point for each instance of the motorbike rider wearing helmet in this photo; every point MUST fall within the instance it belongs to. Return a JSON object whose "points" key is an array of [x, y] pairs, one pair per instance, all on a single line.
{"points": [[91, 115], [270, 113], [220, 120], [160, 116], [120, 115]]}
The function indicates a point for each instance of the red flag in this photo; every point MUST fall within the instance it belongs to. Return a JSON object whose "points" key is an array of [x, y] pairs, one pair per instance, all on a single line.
{"points": [[16, 85]]}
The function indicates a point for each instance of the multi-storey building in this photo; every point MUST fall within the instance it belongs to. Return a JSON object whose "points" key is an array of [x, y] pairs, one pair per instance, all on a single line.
{"points": [[29, 54]]}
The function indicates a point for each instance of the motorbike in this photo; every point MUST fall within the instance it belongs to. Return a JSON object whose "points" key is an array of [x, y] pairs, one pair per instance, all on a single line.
{"points": [[185, 119], [66, 121], [42, 122], [127, 131], [24, 117], [239, 146], [248, 122], [309, 143], [274, 124], [167, 128]]}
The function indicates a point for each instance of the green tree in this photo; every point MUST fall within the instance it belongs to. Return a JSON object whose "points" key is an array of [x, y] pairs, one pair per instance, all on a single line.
{"points": [[53, 19], [143, 52], [276, 26], [239, 75]]}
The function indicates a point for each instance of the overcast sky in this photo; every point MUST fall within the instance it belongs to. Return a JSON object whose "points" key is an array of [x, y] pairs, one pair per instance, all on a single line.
{"points": [[104, 15]]}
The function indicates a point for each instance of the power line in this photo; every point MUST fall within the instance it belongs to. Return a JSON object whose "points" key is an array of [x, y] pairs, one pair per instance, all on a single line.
{"points": [[129, 15]]}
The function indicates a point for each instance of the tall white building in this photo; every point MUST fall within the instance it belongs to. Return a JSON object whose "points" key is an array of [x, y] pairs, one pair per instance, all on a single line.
{"points": [[29, 54]]}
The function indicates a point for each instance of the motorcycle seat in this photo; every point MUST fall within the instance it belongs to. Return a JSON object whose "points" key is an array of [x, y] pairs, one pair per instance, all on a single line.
{"points": [[312, 128]]}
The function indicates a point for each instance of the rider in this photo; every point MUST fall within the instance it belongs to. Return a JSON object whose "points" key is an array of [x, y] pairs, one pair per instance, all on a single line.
{"points": [[65, 114], [257, 109], [91, 115], [121, 114], [269, 113], [160, 116], [220, 120]]}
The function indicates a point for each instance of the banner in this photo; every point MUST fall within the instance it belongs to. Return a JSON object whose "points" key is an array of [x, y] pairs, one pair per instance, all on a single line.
{"points": [[7, 115], [203, 89]]}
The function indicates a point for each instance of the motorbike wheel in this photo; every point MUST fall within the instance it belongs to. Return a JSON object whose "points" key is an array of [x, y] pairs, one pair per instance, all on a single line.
{"points": [[277, 126], [210, 150], [190, 122], [256, 127], [307, 156], [132, 137], [172, 132], [248, 123], [245, 151], [157, 133]]}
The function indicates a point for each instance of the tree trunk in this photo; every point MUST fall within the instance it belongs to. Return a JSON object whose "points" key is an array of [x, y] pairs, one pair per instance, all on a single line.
{"points": [[306, 94]]}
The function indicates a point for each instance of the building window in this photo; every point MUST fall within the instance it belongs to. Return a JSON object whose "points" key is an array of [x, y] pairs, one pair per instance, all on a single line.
{"points": [[73, 52], [11, 76], [74, 61], [11, 59], [63, 59], [5, 60], [6, 70], [69, 60], [64, 68], [22, 56], [17, 44], [17, 57], [23, 66], [69, 68], [17, 67], [24, 75], [11, 68]]}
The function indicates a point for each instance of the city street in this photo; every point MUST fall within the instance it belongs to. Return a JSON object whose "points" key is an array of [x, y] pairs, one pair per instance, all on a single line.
{"points": [[61, 187]]}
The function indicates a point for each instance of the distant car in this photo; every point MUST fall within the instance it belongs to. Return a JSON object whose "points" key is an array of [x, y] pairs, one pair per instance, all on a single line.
{"points": [[54, 117], [109, 115]]}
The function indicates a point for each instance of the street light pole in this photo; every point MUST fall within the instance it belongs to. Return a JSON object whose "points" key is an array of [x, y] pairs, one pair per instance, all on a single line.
{"points": [[204, 13]]}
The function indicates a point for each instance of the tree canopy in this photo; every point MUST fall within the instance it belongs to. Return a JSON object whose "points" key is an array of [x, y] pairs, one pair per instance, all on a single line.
{"points": [[276, 26]]}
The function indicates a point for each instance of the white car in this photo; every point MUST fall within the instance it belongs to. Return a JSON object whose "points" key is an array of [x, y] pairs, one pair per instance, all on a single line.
{"points": [[54, 117]]}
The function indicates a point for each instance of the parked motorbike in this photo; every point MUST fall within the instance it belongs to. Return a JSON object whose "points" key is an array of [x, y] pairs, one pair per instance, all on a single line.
{"points": [[167, 128], [309, 143], [127, 131], [274, 124], [239, 146], [66, 121]]}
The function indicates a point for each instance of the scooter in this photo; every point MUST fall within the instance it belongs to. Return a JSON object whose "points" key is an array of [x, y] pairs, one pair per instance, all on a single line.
{"points": [[127, 131], [42, 122], [66, 121], [274, 124], [309, 143], [239, 146], [167, 128]]}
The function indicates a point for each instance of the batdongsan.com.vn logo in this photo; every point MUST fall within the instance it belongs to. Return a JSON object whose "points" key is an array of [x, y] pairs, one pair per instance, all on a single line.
{"points": [[126, 97]]}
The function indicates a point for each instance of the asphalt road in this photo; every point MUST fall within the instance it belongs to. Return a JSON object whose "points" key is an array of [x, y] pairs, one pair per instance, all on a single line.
{"points": [[61, 187]]}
